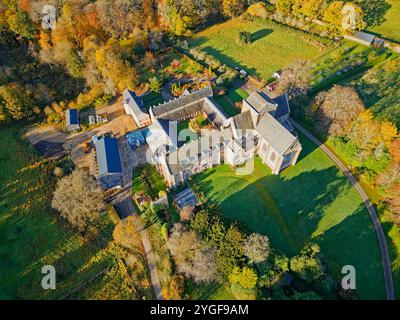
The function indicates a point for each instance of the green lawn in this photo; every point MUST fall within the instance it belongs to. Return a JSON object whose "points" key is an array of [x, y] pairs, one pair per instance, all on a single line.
{"points": [[310, 201], [152, 99], [212, 291], [390, 27], [228, 100], [273, 47], [147, 179], [31, 236]]}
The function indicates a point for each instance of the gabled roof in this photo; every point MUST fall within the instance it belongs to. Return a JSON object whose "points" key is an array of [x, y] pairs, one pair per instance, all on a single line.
{"points": [[72, 117], [275, 133], [259, 101], [283, 106], [243, 121], [190, 153], [108, 158], [134, 101], [364, 36], [182, 101]]}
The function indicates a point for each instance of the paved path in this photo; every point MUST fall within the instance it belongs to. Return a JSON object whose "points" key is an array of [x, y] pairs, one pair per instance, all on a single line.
{"points": [[387, 272], [125, 208]]}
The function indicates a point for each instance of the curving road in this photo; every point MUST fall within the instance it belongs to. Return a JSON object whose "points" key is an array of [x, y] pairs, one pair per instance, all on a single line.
{"points": [[387, 271]]}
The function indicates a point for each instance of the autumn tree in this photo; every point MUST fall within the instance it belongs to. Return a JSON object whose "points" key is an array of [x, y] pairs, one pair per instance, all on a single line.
{"points": [[296, 78], [186, 213], [256, 248], [333, 14], [337, 109], [369, 134], [353, 15], [258, 9], [118, 17], [117, 73], [127, 233], [79, 199], [15, 104], [245, 277], [20, 24], [175, 288], [393, 199], [284, 6], [390, 176], [312, 8], [193, 257], [232, 8], [394, 149]]}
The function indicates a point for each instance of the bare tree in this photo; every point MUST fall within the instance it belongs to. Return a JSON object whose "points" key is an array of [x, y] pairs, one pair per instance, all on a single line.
{"points": [[193, 257], [78, 198], [127, 233], [119, 17], [390, 176], [256, 248], [296, 78], [186, 213], [337, 109]]}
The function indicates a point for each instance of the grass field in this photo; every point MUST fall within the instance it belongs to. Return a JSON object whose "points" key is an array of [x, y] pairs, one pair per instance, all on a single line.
{"points": [[147, 179], [31, 236], [273, 46], [228, 100], [310, 201], [390, 27], [212, 291]]}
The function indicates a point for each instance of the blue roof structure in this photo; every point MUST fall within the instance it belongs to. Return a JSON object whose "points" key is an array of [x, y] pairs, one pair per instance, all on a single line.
{"points": [[135, 138], [108, 157], [72, 117]]}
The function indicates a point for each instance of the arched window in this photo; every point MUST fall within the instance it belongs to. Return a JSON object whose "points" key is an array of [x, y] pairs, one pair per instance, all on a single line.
{"points": [[272, 157]]}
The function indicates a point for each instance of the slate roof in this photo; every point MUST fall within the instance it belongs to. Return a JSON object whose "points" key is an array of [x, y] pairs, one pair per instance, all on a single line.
{"points": [[275, 133], [243, 121], [364, 36], [191, 152], [134, 101], [182, 101], [283, 106], [108, 158], [72, 117], [259, 101]]}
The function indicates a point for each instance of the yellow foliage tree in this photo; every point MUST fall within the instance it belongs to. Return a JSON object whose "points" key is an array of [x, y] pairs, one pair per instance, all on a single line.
{"points": [[258, 9]]}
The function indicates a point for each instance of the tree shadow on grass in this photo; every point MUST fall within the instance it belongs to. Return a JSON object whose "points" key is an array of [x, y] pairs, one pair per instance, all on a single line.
{"points": [[288, 210], [316, 206], [223, 58], [353, 242], [259, 34], [374, 11]]}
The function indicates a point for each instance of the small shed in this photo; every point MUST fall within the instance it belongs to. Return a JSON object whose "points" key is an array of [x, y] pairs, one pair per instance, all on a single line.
{"points": [[364, 38], [72, 120], [109, 168], [277, 75]]}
